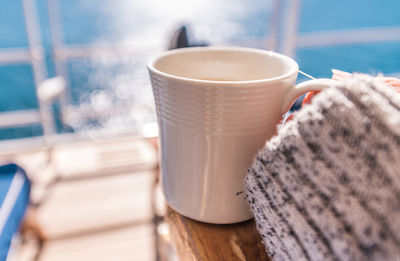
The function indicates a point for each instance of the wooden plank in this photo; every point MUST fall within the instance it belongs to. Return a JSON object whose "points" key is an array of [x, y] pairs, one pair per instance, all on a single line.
{"points": [[195, 240], [88, 159], [84, 206], [97, 199], [126, 243]]}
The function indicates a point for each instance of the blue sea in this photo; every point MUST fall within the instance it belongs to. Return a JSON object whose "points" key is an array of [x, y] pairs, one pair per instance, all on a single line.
{"points": [[104, 82]]}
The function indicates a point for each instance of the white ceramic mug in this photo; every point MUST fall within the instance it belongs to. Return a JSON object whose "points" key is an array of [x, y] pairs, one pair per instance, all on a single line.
{"points": [[216, 107]]}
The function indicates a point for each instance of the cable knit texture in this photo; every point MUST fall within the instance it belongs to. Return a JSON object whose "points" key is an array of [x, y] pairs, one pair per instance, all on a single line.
{"points": [[327, 187]]}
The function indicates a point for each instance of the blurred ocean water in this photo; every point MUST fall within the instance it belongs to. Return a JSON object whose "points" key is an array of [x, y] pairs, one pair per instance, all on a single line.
{"points": [[106, 82]]}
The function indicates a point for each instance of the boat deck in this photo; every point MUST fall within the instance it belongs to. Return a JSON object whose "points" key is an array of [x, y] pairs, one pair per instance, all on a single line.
{"points": [[91, 200]]}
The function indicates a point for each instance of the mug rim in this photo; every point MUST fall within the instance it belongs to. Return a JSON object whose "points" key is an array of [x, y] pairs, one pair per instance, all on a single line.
{"points": [[292, 71]]}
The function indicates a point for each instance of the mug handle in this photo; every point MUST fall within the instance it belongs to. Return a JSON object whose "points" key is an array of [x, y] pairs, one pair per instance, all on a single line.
{"points": [[296, 91]]}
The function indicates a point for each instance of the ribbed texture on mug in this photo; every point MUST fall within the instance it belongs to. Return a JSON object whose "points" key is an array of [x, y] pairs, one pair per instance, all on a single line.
{"points": [[219, 109]]}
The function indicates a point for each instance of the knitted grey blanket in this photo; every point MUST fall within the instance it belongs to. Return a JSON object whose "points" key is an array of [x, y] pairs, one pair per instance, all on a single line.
{"points": [[327, 187]]}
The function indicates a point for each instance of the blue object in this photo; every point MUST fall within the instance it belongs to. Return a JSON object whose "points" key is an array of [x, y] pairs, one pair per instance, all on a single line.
{"points": [[14, 199]]}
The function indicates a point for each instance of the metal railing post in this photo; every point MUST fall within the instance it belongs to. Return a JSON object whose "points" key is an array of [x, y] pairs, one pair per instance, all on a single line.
{"points": [[291, 27], [56, 43], [273, 40], [38, 63]]}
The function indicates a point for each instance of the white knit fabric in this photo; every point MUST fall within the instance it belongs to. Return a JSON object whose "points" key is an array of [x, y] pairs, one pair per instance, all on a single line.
{"points": [[327, 187]]}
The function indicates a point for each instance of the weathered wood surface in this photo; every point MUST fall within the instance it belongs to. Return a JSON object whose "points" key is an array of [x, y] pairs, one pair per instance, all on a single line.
{"points": [[195, 240]]}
